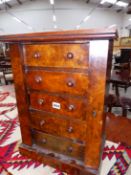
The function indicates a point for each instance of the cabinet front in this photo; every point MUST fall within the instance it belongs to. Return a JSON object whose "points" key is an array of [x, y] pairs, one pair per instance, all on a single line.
{"points": [[60, 88]]}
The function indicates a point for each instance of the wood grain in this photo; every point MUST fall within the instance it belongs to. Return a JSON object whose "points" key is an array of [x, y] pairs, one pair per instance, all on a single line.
{"points": [[21, 94], [57, 55], [82, 76], [95, 121], [70, 166], [50, 142], [69, 35], [74, 108], [120, 134], [59, 126], [58, 82]]}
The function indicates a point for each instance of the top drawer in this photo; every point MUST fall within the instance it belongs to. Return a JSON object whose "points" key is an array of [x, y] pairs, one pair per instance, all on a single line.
{"points": [[57, 55]]}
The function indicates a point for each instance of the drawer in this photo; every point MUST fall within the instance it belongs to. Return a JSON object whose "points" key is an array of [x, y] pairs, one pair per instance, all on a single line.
{"points": [[61, 82], [58, 126], [58, 145], [72, 107], [57, 55]]}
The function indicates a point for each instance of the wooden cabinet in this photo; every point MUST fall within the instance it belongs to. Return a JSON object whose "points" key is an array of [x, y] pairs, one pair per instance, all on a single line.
{"points": [[60, 82]]}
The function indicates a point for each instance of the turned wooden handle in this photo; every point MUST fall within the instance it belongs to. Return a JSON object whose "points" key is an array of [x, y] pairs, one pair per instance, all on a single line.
{"points": [[37, 55], [70, 149], [71, 107], [38, 79], [70, 55], [70, 83], [44, 141], [42, 123], [41, 101], [70, 129]]}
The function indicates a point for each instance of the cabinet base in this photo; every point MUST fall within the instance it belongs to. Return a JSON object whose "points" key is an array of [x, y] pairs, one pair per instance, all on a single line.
{"points": [[63, 163]]}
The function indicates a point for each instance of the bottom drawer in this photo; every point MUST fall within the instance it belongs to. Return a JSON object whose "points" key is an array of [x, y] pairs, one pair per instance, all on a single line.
{"points": [[59, 145]]}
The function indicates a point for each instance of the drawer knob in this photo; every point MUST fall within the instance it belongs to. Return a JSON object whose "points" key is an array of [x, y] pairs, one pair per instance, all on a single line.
{"points": [[94, 114], [70, 149], [38, 79], [40, 101], [36, 55], [70, 129], [70, 55], [70, 84], [42, 123], [44, 141], [71, 107]]}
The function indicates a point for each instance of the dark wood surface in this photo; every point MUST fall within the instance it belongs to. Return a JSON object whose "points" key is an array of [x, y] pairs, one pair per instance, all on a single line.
{"points": [[57, 36], [121, 77], [97, 83], [50, 143], [21, 94], [72, 107], [5, 65], [118, 129], [65, 164], [82, 80], [62, 82], [59, 126], [66, 55]]}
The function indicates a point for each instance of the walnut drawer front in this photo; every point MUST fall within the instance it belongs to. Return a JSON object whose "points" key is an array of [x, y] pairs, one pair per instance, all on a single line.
{"points": [[57, 55], [62, 82], [64, 105], [59, 145], [59, 126]]}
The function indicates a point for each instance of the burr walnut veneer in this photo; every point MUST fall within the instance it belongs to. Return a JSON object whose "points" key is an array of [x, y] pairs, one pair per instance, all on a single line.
{"points": [[60, 82]]}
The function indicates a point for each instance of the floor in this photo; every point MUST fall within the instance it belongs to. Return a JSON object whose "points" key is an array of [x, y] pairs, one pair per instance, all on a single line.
{"points": [[9, 88]]}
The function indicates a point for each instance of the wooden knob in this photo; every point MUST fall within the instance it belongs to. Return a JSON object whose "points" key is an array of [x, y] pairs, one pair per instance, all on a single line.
{"points": [[70, 129], [42, 123], [40, 101], [70, 55], [94, 114], [51, 154], [70, 149], [36, 55], [44, 141], [70, 84], [71, 107], [38, 79]]}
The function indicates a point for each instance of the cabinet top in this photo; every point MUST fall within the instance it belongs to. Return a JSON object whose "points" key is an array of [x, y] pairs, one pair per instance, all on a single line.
{"points": [[105, 33]]}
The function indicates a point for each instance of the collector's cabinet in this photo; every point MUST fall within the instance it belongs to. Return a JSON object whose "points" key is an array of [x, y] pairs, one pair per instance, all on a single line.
{"points": [[60, 83]]}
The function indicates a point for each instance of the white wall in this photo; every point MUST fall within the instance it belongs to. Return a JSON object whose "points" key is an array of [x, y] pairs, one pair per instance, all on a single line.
{"points": [[69, 13], [126, 25]]}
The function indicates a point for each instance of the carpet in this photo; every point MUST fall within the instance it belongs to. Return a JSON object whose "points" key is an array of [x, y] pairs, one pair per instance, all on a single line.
{"points": [[115, 160]]}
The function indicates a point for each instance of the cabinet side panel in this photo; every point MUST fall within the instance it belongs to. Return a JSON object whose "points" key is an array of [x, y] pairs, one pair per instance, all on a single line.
{"points": [[20, 93], [98, 54]]}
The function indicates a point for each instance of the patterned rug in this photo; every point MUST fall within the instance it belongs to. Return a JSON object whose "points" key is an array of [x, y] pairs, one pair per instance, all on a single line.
{"points": [[115, 161]]}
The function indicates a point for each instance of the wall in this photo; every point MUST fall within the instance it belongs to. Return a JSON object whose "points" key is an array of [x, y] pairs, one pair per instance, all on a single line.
{"points": [[126, 25], [69, 13]]}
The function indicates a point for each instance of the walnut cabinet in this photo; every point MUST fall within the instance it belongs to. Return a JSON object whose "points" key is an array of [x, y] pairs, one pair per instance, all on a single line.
{"points": [[60, 83]]}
